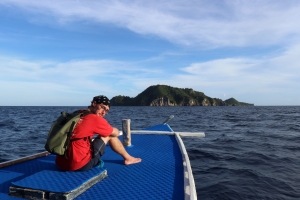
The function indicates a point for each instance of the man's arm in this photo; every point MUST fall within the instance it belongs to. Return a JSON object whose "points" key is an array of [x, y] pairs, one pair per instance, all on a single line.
{"points": [[115, 132]]}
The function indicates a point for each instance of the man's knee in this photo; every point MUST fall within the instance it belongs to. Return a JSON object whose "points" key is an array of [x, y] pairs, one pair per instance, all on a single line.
{"points": [[106, 139]]}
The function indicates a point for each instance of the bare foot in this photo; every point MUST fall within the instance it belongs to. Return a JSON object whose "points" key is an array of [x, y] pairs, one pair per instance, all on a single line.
{"points": [[132, 160]]}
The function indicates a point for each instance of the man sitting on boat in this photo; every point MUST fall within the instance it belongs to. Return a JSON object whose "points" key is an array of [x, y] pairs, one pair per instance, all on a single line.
{"points": [[83, 154]]}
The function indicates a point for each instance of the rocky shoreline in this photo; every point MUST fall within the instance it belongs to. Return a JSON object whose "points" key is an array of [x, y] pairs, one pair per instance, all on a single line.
{"points": [[163, 95]]}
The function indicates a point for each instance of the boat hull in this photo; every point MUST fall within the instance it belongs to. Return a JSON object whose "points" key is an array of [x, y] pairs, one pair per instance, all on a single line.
{"points": [[164, 172]]}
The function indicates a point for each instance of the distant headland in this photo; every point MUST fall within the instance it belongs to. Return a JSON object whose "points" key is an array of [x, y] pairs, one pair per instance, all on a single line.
{"points": [[163, 95]]}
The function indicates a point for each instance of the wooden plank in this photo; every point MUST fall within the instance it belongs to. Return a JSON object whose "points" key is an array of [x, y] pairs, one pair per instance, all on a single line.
{"points": [[13, 162], [29, 193], [192, 134]]}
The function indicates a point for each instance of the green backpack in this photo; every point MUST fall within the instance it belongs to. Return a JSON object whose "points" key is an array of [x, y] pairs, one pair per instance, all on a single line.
{"points": [[58, 139]]}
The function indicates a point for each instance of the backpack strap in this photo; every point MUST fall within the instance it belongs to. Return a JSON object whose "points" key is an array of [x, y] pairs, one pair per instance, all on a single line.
{"points": [[68, 140]]}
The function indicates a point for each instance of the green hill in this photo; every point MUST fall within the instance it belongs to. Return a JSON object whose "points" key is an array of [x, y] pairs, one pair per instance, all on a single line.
{"points": [[163, 95], [234, 102]]}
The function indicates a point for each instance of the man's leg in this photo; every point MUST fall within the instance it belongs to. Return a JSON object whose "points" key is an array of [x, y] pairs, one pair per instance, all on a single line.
{"points": [[98, 146], [118, 147]]}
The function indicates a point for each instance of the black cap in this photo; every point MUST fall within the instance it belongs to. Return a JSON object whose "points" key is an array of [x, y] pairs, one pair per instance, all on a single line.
{"points": [[101, 99]]}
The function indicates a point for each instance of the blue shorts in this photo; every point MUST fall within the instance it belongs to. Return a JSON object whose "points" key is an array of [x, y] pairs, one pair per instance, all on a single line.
{"points": [[98, 147]]}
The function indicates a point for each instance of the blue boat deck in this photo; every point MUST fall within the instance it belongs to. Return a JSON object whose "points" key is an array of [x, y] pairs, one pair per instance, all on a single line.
{"points": [[158, 176]]}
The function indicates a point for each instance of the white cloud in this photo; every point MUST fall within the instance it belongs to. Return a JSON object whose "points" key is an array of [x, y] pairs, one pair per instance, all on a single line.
{"points": [[256, 81], [203, 23], [269, 77], [227, 68], [41, 79], [63, 71]]}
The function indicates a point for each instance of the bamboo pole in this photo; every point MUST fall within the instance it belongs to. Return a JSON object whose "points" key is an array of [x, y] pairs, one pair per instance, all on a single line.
{"points": [[13, 162], [126, 132]]}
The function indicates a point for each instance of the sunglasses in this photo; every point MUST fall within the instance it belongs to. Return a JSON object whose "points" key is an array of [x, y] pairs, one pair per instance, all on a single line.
{"points": [[104, 108]]}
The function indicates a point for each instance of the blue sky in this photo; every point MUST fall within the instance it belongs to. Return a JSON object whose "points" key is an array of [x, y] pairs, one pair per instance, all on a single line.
{"points": [[62, 53]]}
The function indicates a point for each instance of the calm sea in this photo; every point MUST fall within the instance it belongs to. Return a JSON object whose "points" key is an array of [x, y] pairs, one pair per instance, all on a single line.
{"points": [[248, 152]]}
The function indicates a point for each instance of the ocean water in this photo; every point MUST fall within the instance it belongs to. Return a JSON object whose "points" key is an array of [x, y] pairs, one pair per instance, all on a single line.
{"points": [[248, 152]]}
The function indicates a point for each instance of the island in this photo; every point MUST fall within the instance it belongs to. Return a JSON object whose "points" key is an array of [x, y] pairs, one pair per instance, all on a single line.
{"points": [[163, 95]]}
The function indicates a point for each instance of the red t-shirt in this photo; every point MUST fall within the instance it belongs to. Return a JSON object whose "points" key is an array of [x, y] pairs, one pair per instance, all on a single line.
{"points": [[79, 152]]}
